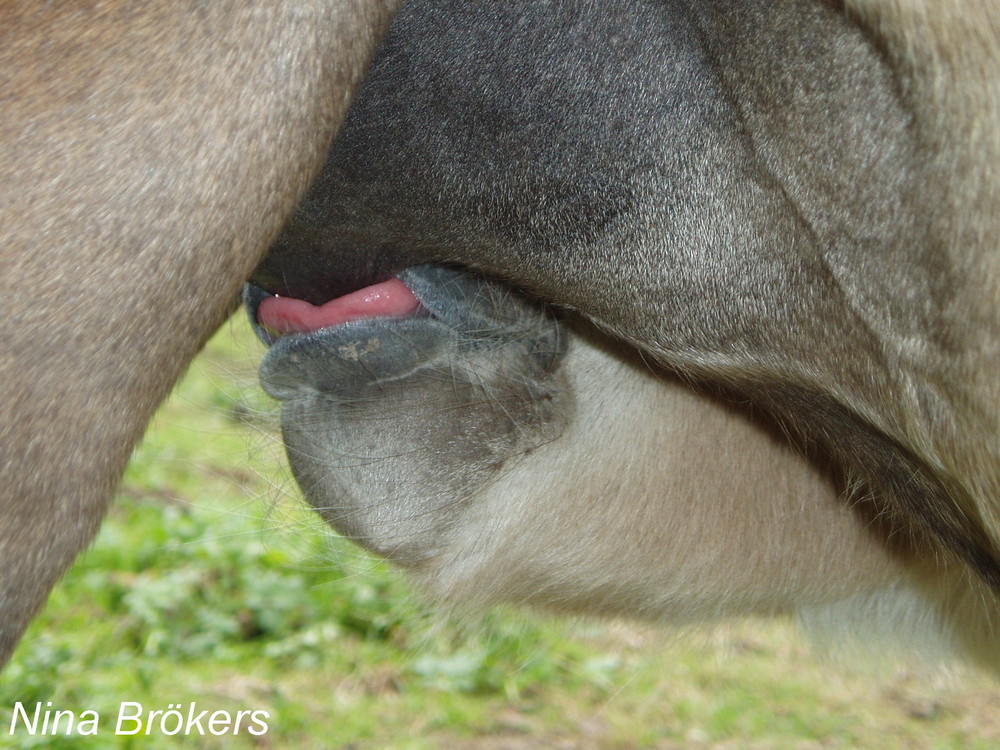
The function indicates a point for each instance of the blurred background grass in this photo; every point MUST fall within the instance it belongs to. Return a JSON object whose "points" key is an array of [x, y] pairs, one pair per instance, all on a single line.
{"points": [[210, 584]]}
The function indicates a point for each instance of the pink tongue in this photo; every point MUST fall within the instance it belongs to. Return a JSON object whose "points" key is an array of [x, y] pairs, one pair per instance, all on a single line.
{"points": [[390, 299]]}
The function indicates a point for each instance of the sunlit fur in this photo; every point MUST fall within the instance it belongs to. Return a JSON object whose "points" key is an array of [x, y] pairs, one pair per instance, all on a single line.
{"points": [[835, 269], [149, 152], [149, 158]]}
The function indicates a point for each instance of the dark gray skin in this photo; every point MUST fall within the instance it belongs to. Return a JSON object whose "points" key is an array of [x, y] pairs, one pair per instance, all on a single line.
{"points": [[742, 191], [424, 410]]}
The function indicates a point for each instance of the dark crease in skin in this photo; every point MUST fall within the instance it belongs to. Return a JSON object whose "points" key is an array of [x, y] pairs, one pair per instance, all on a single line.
{"points": [[735, 190]]}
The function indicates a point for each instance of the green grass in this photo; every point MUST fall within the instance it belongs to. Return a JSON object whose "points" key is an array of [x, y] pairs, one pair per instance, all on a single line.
{"points": [[210, 584]]}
